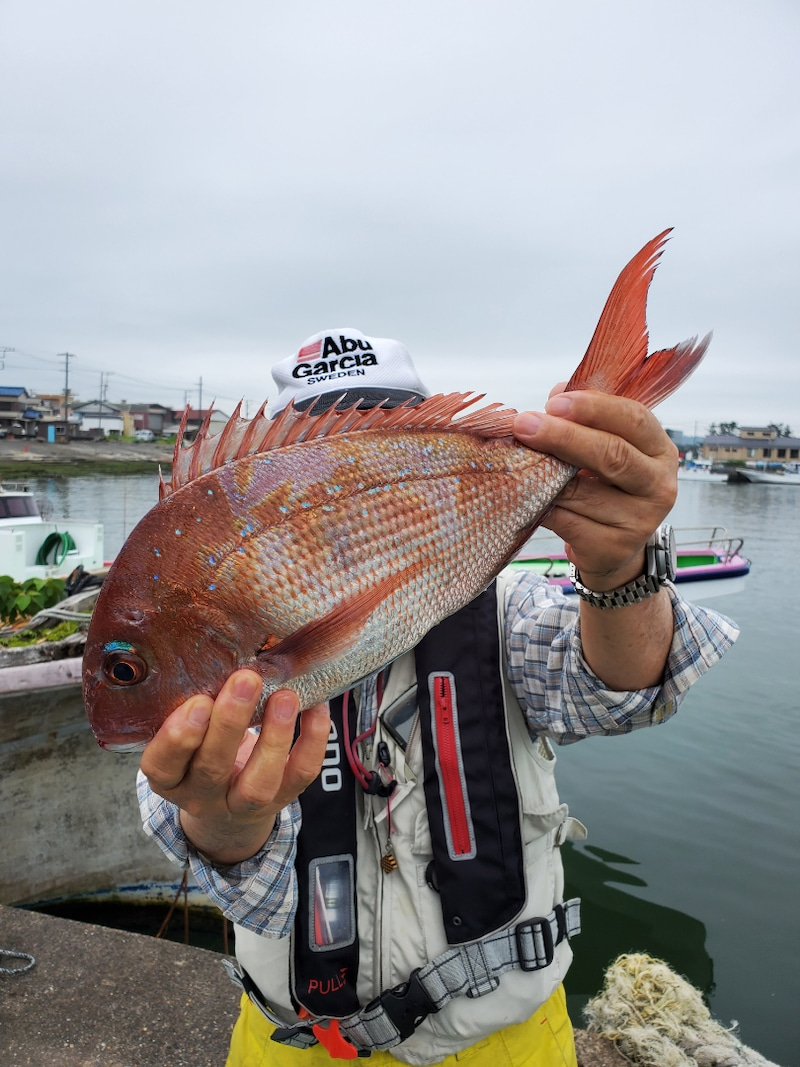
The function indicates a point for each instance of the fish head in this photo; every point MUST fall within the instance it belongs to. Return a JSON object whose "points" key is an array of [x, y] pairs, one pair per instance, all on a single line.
{"points": [[146, 654]]}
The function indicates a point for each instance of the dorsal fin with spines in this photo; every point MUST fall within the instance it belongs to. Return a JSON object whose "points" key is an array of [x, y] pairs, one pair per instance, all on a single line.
{"points": [[246, 437]]}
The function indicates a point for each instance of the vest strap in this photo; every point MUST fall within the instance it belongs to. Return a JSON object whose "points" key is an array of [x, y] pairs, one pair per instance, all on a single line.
{"points": [[325, 957], [463, 970]]}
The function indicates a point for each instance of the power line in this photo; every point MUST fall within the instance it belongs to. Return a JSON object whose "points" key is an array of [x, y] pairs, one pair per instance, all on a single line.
{"points": [[81, 377]]}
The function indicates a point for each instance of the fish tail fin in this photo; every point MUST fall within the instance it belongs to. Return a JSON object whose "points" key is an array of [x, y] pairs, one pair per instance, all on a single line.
{"points": [[616, 360]]}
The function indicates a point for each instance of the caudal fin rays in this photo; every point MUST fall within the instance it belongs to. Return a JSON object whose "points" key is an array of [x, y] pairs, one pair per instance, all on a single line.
{"points": [[616, 360]]}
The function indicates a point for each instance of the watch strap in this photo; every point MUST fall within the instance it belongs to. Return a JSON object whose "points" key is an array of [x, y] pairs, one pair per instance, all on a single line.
{"points": [[646, 585]]}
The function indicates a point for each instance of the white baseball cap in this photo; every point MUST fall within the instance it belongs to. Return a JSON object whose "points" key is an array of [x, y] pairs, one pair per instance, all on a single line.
{"points": [[342, 367]]}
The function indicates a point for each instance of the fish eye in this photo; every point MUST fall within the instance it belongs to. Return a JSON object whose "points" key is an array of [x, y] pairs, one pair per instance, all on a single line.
{"points": [[125, 668]]}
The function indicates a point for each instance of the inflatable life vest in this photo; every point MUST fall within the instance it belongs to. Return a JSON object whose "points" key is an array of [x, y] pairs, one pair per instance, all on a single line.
{"points": [[484, 839]]}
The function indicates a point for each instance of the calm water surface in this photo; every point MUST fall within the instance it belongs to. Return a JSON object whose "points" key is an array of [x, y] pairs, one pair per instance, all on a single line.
{"points": [[694, 832]]}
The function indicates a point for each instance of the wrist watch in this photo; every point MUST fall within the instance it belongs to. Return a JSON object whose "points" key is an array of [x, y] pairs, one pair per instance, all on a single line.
{"points": [[660, 566]]}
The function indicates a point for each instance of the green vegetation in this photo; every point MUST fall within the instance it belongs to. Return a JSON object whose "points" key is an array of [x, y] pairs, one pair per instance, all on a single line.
{"points": [[20, 599], [40, 635]]}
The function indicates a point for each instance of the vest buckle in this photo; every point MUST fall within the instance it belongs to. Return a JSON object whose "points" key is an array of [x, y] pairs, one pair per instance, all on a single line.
{"points": [[407, 1005], [535, 947]]}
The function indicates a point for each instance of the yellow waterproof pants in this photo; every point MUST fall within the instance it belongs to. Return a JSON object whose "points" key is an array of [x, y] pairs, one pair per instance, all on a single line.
{"points": [[545, 1040]]}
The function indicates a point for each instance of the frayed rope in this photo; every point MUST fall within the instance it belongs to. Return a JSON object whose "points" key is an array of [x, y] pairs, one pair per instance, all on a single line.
{"points": [[657, 1019]]}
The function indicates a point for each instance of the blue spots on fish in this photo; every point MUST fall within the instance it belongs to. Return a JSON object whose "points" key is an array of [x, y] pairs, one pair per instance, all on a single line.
{"points": [[178, 533], [212, 586], [245, 530], [157, 552]]}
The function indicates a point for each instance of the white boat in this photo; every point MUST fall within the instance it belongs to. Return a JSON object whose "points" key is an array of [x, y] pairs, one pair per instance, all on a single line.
{"points": [[789, 474], [32, 547], [700, 474]]}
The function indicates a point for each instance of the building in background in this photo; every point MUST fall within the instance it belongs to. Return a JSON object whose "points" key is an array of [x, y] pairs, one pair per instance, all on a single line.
{"points": [[100, 418], [757, 445]]}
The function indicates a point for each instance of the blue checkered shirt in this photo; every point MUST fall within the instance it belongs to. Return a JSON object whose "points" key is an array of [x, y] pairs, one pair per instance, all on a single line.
{"points": [[560, 697]]}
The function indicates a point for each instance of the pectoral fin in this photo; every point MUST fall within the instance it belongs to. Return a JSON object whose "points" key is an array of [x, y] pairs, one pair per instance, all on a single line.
{"points": [[330, 636]]}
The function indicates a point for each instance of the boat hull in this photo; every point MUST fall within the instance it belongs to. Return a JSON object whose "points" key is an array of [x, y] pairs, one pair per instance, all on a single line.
{"points": [[75, 829], [757, 477], [709, 563]]}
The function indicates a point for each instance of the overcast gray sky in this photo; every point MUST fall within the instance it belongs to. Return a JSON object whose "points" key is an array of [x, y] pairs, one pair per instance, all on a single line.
{"points": [[189, 189]]}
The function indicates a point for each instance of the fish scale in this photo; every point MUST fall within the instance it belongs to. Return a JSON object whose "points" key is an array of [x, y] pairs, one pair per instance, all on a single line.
{"points": [[316, 549]]}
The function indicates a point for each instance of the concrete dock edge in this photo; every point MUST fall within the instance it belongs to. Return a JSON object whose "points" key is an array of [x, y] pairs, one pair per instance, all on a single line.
{"points": [[106, 998]]}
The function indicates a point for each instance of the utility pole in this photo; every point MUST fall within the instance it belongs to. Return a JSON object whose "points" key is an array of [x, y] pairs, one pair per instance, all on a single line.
{"points": [[103, 388], [4, 349], [66, 356]]}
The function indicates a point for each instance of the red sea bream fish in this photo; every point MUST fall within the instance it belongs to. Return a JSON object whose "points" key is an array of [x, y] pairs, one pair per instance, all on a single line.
{"points": [[316, 549]]}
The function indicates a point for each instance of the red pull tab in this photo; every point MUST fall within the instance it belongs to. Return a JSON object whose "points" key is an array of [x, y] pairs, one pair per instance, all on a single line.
{"points": [[339, 1048]]}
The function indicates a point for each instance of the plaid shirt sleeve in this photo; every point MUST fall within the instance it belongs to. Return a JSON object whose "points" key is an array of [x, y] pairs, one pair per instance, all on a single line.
{"points": [[260, 893], [560, 695]]}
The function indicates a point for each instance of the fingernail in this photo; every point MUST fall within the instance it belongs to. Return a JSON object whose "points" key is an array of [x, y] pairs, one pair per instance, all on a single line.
{"points": [[200, 712], [245, 687], [284, 706], [527, 424], [558, 405]]}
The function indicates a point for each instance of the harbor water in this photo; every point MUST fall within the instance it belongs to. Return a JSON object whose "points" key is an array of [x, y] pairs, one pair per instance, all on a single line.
{"points": [[694, 839]]}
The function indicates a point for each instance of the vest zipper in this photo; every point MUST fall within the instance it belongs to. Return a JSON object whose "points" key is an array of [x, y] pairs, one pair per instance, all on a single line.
{"points": [[452, 781]]}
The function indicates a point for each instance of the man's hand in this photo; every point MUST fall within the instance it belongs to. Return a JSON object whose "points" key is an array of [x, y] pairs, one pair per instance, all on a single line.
{"points": [[229, 783], [627, 484]]}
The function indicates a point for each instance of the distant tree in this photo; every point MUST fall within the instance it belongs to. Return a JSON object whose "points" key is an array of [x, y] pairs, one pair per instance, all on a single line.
{"points": [[728, 427], [780, 429], [712, 431]]}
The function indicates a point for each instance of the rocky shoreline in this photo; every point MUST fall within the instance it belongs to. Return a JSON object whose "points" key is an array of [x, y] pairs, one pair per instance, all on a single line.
{"points": [[21, 459]]}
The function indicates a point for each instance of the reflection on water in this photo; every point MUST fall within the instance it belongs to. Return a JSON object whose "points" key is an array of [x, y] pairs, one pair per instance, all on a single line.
{"points": [[615, 921]]}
